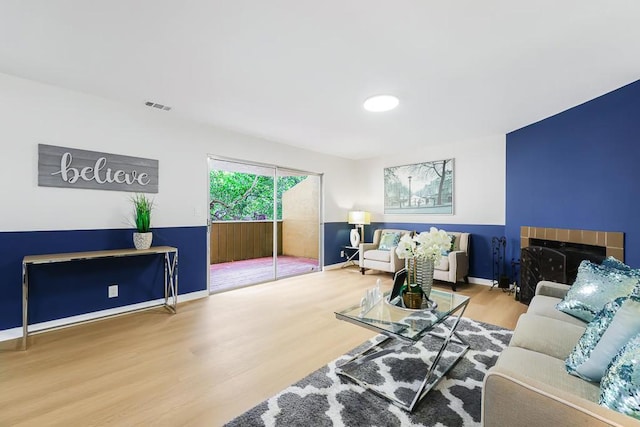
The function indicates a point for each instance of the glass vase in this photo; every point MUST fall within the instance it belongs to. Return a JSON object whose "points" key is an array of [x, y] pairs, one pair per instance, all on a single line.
{"points": [[422, 270]]}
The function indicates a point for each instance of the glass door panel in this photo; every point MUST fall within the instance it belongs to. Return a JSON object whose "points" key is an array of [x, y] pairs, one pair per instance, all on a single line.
{"points": [[298, 212], [241, 200]]}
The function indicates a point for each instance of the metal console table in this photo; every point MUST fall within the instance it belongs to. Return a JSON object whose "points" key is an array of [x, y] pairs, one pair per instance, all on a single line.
{"points": [[170, 274]]}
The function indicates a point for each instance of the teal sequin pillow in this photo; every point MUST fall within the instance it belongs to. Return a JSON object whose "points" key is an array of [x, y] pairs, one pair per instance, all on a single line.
{"points": [[389, 240], [604, 336], [613, 262], [453, 245], [596, 285], [620, 385]]}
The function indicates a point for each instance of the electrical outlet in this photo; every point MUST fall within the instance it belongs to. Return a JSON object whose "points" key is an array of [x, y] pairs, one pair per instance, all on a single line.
{"points": [[113, 291], [341, 254]]}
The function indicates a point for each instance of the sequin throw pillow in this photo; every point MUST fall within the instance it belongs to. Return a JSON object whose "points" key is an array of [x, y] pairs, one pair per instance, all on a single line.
{"points": [[445, 252], [596, 285], [605, 335], [389, 240], [613, 262], [620, 385]]}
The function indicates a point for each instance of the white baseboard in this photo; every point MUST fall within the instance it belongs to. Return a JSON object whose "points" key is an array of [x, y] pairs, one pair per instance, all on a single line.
{"points": [[334, 266], [474, 280], [480, 281], [13, 333]]}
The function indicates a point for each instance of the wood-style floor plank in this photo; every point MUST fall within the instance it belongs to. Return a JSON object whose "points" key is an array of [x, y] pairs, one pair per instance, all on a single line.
{"points": [[213, 360]]}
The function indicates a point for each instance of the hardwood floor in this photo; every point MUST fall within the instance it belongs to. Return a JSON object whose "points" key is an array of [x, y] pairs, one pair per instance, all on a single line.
{"points": [[213, 360]]}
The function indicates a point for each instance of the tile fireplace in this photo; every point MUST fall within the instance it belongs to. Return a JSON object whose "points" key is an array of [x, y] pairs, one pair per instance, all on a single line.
{"points": [[554, 254]]}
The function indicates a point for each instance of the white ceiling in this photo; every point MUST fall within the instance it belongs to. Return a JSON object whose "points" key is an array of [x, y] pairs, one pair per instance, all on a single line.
{"points": [[297, 71]]}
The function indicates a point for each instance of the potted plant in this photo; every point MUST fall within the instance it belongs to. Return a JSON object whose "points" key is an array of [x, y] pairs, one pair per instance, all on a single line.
{"points": [[423, 249], [142, 215]]}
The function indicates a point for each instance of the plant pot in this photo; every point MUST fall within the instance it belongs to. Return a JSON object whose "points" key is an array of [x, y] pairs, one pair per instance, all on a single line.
{"points": [[142, 240], [412, 300]]}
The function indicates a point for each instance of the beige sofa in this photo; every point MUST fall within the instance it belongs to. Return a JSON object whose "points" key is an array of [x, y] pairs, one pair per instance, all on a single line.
{"points": [[529, 384], [373, 258]]}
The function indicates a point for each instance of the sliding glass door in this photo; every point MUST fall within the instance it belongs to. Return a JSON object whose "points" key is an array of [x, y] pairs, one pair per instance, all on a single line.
{"points": [[265, 223], [298, 204]]}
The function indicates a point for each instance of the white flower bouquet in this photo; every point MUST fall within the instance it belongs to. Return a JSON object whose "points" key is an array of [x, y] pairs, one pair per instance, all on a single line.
{"points": [[428, 245]]}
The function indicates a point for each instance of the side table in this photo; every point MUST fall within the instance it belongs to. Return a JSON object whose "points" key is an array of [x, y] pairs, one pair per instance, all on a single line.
{"points": [[351, 252]]}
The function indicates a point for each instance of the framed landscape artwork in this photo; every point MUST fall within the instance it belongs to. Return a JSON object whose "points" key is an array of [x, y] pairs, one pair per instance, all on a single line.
{"points": [[421, 188]]}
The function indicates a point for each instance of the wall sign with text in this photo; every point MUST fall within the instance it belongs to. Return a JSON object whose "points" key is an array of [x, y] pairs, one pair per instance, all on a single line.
{"points": [[73, 168]]}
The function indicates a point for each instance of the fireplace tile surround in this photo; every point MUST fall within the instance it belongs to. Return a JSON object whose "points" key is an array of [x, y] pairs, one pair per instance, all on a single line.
{"points": [[613, 241]]}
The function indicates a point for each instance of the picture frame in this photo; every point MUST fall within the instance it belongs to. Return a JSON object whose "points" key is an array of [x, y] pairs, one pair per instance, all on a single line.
{"points": [[420, 188], [398, 280]]}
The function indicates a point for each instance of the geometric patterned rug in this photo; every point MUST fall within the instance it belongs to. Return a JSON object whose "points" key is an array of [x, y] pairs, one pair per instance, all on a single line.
{"points": [[325, 398]]}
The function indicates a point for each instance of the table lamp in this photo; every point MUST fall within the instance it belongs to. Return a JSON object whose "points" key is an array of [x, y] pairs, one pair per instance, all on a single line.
{"points": [[359, 219]]}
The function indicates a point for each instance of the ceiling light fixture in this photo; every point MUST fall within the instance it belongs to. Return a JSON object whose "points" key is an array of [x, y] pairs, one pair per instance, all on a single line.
{"points": [[380, 103]]}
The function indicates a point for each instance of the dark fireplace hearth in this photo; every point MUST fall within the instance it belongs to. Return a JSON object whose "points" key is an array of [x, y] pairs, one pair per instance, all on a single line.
{"points": [[574, 253], [553, 261], [538, 263], [555, 254]]}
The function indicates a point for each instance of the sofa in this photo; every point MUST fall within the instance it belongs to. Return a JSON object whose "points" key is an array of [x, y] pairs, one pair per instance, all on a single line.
{"points": [[372, 257], [529, 384]]}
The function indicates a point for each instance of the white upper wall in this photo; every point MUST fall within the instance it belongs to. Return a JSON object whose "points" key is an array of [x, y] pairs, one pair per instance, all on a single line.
{"points": [[34, 113], [479, 182]]}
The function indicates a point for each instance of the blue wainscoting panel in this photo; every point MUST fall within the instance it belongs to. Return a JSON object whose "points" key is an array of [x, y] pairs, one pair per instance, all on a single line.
{"points": [[579, 170], [79, 287], [337, 235]]}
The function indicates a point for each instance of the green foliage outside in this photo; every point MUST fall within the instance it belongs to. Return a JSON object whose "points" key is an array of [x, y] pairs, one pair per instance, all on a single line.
{"points": [[239, 196]]}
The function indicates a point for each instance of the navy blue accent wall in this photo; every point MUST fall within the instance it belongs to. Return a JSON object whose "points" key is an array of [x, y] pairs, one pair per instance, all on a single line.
{"points": [[337, 235], [579, 169], [73, 288]]}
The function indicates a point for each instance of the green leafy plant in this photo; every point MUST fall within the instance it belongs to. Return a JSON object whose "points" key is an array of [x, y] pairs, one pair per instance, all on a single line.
{"points": [[142, 212], [237, 196]]}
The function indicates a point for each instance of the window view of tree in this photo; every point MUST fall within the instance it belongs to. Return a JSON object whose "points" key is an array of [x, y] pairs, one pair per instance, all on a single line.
{"points": [[239, 196]]}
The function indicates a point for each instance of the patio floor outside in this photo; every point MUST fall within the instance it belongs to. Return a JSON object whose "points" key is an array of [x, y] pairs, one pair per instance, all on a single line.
{"points": [[230, 275]]}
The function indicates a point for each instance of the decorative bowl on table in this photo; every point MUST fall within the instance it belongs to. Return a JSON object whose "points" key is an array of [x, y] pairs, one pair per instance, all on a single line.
{"points": [[397, 302]]}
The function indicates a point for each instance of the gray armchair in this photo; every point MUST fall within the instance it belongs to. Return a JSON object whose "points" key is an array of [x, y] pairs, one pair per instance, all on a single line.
{"points": [[372, 257]]}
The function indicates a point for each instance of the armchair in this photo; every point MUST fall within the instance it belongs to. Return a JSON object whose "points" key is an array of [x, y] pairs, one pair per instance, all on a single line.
{"points": [[454, 267], [376, 258]]}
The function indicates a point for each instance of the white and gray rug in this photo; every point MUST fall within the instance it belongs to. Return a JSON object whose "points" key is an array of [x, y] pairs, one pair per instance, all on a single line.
{"points": [[326, 399]]}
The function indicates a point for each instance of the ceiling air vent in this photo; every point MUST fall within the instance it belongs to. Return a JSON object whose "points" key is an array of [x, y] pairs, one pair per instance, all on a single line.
{"points": [[158, 106]]}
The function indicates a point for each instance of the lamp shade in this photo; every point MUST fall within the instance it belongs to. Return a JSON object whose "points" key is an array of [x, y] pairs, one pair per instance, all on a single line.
{"points": [[359, 217]]}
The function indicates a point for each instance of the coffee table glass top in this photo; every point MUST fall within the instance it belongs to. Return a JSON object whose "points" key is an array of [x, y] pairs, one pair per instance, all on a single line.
{"points": [[404, 323]]}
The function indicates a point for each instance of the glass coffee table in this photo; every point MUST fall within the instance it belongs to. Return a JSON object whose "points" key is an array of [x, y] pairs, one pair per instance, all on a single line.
{"points": [[418, 347]]}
